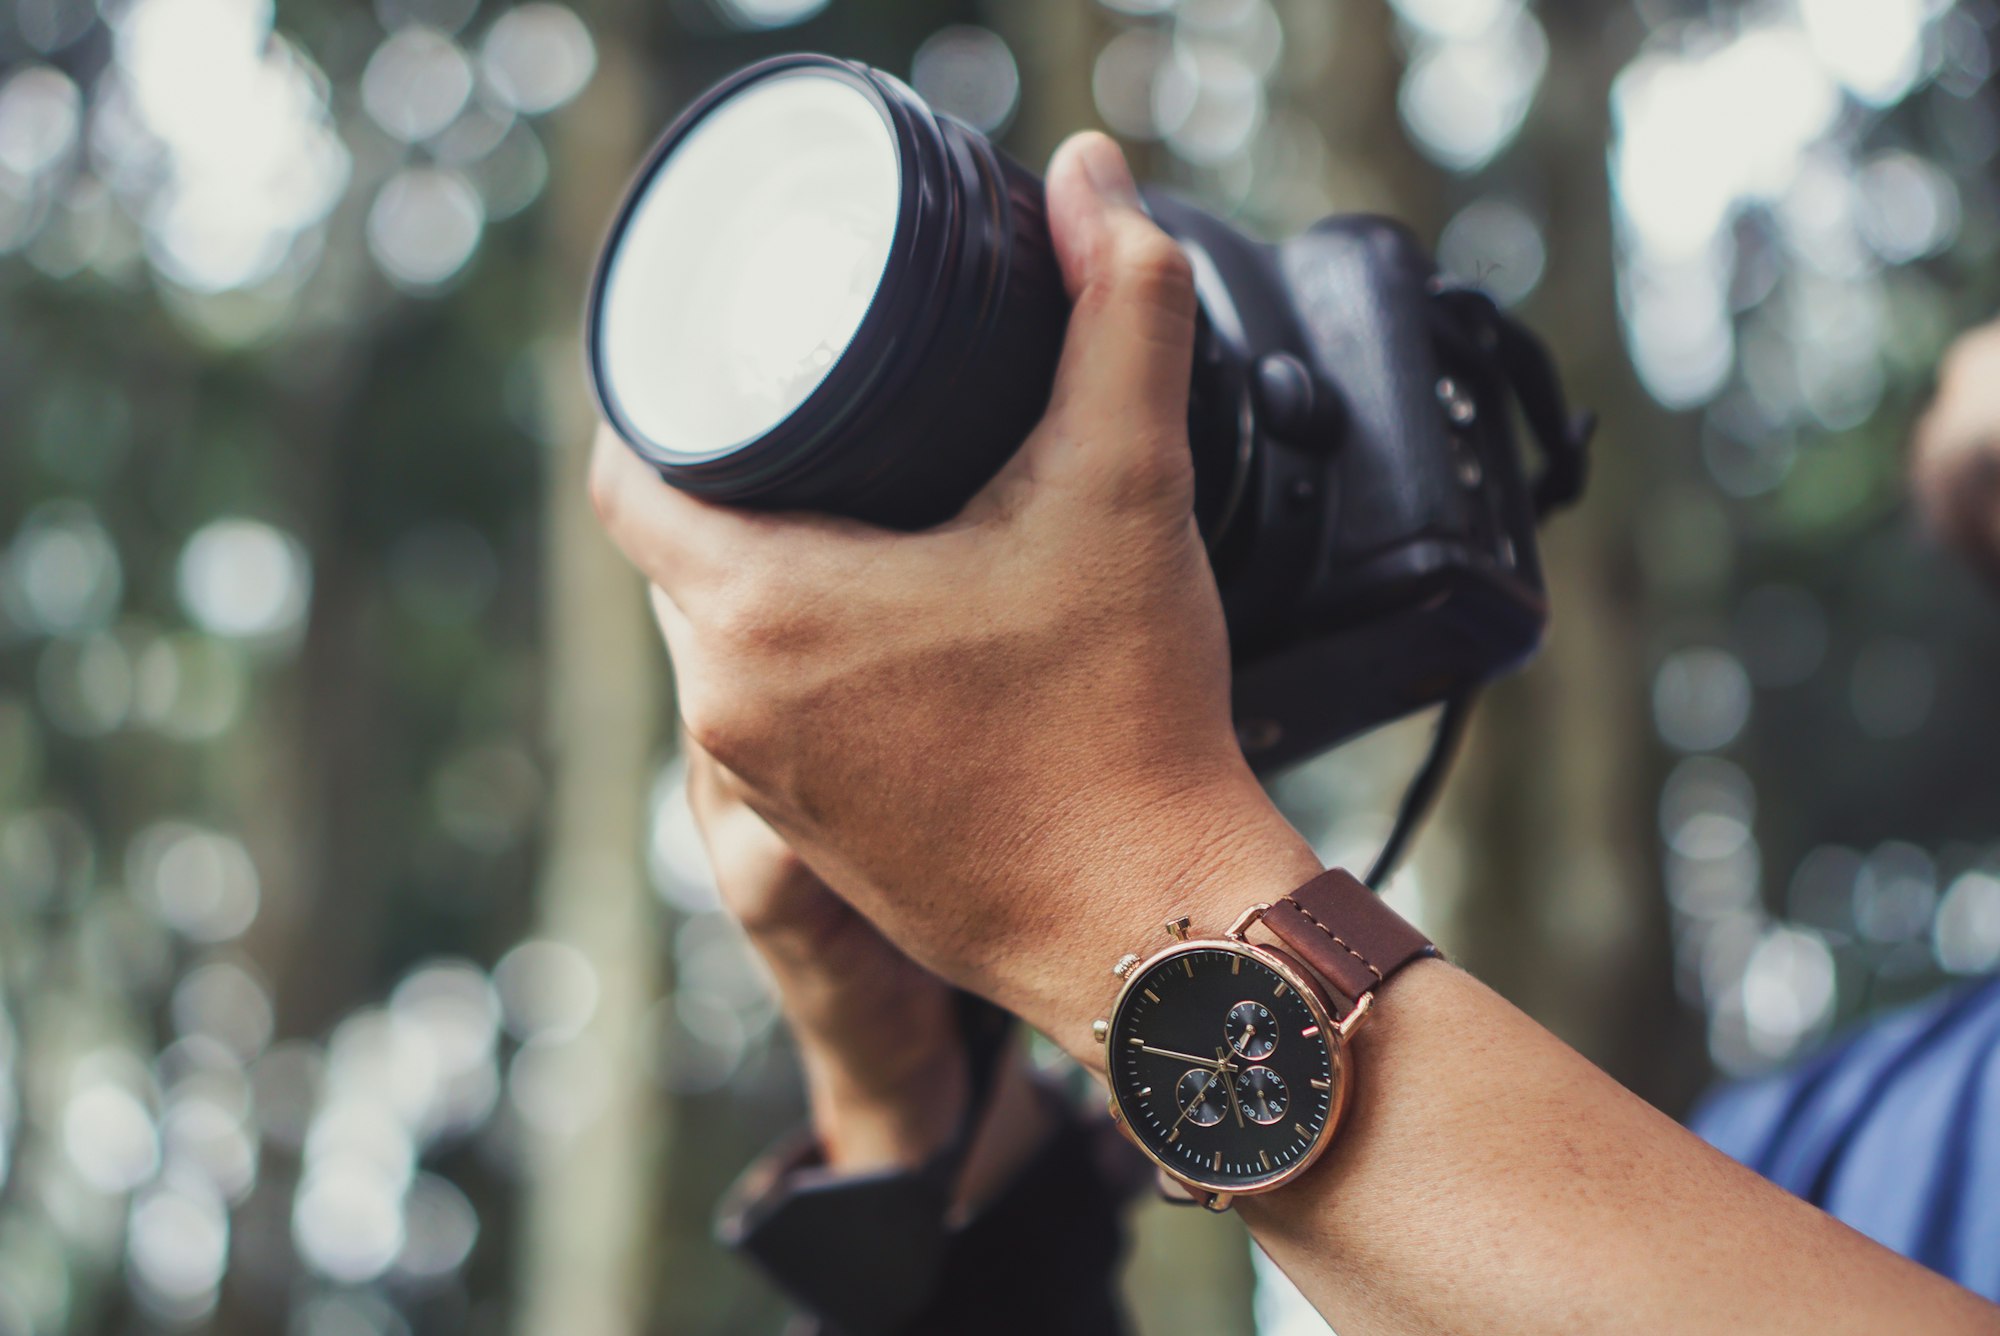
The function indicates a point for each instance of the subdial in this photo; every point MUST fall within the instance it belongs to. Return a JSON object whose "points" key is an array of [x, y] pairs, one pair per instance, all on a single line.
{"points": [[1262, 1094], [1252, 1030], [1203, 1097]]}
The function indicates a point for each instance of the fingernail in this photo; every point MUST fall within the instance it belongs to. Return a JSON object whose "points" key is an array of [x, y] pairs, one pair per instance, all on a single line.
{"points": [[1105, 166]]}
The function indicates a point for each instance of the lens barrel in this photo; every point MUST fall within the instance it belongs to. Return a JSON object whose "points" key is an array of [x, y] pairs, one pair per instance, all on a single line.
{"points": [[952, 364]]}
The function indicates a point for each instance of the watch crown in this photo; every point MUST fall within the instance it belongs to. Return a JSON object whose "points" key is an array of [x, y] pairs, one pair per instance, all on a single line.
{"points": [[1125, 964], [1099, 1030]]}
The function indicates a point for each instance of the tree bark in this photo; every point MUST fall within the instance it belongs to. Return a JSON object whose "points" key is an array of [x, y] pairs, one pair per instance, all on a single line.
{"points": [[588, 1223]]}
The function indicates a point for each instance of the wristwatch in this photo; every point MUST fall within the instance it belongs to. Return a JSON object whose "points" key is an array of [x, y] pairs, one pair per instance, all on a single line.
{"points": [[1228, 1059]]}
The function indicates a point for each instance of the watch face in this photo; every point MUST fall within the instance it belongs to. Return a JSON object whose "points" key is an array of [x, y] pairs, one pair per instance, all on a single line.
{"points": [[1222, 1068]]}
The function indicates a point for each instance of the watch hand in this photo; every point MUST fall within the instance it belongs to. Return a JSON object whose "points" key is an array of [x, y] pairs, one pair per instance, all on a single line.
{"points": [[1230, 1086], [1184, 1057]]}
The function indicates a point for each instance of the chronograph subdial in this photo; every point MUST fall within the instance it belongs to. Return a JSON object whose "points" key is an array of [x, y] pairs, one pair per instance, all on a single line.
{"points": [[1262, 1094], [1203, 1096], [1252, 1030]]}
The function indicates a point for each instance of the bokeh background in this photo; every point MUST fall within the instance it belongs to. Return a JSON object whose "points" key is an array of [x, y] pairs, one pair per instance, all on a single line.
{"points": [[358, 971]]}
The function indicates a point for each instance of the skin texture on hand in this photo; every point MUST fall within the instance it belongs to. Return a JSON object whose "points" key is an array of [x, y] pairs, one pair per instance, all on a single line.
{"points": [[990, 734], [1955, 454], [1006, 742]]}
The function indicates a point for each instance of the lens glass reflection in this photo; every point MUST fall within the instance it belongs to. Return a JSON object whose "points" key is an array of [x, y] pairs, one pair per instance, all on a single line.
{"points": [[748, 264]]}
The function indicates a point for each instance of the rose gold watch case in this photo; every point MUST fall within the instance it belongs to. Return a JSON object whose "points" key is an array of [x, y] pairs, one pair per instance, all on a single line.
{"points": [[1334, 1031]]}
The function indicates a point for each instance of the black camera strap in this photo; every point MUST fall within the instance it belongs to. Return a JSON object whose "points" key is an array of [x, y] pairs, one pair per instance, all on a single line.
{"points": [[1424, 787], [1480, 332]]}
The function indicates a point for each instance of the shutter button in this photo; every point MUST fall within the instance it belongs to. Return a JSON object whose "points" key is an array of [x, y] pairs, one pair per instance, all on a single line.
{"points": [[1283, 392]]}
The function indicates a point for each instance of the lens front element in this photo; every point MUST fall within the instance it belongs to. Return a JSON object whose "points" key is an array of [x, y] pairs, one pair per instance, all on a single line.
{"points": [[748, 263]]}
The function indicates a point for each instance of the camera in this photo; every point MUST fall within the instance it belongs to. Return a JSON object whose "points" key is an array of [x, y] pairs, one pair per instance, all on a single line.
{"points": [[820, 294]]}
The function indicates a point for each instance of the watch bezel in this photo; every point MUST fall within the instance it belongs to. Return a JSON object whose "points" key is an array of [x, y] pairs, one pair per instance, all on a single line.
{"points": [[1308, 987]]}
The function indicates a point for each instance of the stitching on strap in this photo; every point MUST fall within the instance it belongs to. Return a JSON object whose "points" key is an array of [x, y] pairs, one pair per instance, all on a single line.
{"points": [[1336, 940]]}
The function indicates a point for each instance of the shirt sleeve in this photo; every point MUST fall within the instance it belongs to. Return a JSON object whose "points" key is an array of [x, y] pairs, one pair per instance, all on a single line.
{"points": [[871, 1254], [1894, 1129]]}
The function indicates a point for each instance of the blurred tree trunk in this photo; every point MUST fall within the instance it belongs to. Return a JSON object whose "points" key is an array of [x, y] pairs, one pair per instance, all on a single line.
{"points": [[297, 771], [1541, 876], [587, 1231], [1558, 903]]}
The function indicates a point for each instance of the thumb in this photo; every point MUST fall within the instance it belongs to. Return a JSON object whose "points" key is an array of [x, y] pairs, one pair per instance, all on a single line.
{"points": [[1123, 375]]}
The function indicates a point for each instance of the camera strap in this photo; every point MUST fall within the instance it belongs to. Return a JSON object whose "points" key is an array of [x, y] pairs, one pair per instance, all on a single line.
{"points": [[1479, 330], [1424, 786]]}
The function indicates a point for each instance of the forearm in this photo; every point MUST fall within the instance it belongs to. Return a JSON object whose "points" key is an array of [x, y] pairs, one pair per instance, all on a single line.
{"points": [[1491, 1180], [1487, 1178]]}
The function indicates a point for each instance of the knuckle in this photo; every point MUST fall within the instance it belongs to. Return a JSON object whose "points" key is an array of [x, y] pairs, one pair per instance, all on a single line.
{"points": [[1156, 470], [752, 667], [727, 729], [1152, 267], [766, 610], [748, 620], [606, 496]]}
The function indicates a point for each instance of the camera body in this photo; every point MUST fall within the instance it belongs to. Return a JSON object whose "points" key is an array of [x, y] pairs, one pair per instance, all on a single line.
{"points": [[1351, 416], [1374, 533]]}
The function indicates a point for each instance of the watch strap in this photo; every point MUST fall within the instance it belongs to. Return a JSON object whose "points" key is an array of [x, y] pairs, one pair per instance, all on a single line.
{"points": [[1344, 932]]}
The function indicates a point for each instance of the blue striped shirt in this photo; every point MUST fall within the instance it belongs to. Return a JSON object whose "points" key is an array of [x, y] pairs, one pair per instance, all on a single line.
{"points": [[1894, 1129]]}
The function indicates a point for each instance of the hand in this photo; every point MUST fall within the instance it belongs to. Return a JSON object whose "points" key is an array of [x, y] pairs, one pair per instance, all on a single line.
{"points": [[1955, 462], [876, 1032], [1007, 740]]}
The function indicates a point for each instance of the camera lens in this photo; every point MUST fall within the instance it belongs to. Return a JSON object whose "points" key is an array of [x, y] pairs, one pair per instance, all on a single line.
{"points": [[749, 263], [819, 294]]}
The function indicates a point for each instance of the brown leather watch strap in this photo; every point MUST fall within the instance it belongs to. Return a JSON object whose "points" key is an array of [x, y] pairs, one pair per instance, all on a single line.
{"points": [[1345, 933]]}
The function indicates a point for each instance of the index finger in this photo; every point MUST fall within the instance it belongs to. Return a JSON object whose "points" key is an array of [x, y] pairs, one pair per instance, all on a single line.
{"points": [[687, 545], [677, 541]]}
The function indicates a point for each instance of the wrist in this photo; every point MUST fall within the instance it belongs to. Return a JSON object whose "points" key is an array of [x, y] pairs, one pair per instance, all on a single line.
{"points": [[877, 1039], [1205, 856], [876, 1116], [856, 1005]]}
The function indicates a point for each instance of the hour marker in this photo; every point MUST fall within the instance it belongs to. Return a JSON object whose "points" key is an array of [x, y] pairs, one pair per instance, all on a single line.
{"points": [[1264, 1158], [1216, 1163], [1187, 965], [1321, 1085], [1136, 1042], [1279, 991], [1306, 1033], [1145, 1091], [1300, 1128], [1236, 964], [1150, 994]]}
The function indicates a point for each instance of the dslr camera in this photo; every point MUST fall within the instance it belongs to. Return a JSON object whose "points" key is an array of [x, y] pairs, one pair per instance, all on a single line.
{"points": [[820, 294]]}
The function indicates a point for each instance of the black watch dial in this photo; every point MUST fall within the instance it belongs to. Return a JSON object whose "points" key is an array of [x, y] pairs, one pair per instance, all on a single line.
{"points": [[1222, 1068]]}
